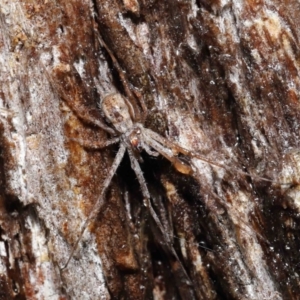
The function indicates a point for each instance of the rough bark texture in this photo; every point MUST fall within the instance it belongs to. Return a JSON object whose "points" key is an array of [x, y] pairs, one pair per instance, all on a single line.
{"points": [[219, 78]]}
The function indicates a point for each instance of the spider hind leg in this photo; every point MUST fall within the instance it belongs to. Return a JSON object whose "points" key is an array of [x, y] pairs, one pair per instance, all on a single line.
{"points": [[100, 201], [145, 192]]}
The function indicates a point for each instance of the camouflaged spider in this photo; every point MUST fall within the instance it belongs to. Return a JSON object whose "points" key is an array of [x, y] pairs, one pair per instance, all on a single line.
{"points": [[133, 138]]}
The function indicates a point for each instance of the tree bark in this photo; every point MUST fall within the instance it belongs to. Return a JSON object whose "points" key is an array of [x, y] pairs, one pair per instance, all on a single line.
{"points": [[218, 78]]}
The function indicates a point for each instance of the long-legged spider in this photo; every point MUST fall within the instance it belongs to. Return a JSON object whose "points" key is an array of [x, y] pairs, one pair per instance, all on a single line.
{"points": [[133, 137]]}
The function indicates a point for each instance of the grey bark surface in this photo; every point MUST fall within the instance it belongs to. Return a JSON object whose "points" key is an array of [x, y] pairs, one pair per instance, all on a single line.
{"points": [[218, 78]]}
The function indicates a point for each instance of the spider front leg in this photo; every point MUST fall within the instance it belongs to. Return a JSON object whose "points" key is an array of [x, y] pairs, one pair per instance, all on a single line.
{"points": [[126, 85], [100, 201], [95, 145], [69, 86]]}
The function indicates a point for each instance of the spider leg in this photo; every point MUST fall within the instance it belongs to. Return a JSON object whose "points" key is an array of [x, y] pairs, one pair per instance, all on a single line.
{"points": [[157, 137], [176, 149], [125, 82], [73, 79], [148, 150], [139, 174], [100, 201], [168, 154], [95, 145]]}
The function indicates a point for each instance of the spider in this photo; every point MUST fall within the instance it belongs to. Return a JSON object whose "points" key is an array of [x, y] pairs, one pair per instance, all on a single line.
{"points": [[134, 137]]}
